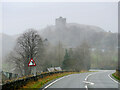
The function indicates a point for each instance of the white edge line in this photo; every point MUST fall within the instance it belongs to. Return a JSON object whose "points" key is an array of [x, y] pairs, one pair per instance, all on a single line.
{"points": [[54, 82], [113, 79]]}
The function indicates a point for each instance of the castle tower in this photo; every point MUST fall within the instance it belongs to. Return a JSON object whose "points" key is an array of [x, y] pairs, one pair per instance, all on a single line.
{"points": [[60, 22]]}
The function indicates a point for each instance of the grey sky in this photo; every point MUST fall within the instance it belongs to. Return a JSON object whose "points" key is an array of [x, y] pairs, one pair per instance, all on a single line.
{"points": [[18, 17]]}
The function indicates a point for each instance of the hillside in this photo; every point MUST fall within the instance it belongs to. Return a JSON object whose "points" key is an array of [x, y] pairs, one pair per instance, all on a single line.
{"points": [[7, 45], [73, 35]]}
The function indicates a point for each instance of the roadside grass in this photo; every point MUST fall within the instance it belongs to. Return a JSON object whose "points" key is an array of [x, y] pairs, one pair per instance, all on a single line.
{"points": [[116, 76], [42, 81]]}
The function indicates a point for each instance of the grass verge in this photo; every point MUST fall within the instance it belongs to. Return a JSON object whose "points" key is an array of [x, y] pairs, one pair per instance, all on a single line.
{"points": [[115, 76]]}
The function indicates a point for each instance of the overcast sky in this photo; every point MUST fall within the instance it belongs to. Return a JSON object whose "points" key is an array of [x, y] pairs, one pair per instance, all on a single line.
{"points": [[17, 17]]}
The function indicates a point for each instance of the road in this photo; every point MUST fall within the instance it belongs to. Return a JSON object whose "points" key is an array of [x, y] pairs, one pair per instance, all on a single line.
{"points": [[90, 80]]}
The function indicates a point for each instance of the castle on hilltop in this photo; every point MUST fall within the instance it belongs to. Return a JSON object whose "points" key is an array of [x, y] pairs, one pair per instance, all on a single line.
{"points": [[60, 22]]}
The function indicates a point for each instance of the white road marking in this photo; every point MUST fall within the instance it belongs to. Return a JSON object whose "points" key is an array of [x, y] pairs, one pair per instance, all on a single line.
{"points": [[87, 77], [113, 79], [94, 73], [86, 87], [54, 82], [88, 82]]}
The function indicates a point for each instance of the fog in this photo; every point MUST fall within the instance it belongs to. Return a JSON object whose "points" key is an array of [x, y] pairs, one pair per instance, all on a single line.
{"points": [[18, 17], [73, 36]]}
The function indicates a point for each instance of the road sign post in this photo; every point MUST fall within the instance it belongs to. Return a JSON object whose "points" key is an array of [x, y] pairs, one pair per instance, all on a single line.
{"points": [[35, 71], [32, 63]]}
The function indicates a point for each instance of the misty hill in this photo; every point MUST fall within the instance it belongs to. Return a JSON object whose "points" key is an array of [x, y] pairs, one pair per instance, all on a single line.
{"points": [[69, 34], [8, 43], [72, 35]]}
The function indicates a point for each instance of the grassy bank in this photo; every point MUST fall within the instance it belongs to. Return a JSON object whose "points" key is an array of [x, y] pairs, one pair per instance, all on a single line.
{"points": [[42, 81], [116, 75]]}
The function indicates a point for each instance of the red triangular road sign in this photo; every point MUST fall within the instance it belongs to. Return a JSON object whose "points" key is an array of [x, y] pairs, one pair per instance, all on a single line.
{"points": [[31, 63]]}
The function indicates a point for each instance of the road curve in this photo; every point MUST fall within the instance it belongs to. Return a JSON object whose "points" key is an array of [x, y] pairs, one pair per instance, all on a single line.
{"points": [[90, 80]]}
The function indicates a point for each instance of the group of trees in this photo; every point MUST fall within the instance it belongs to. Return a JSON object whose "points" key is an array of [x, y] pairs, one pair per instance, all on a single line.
{"points": [[104, 59], [54, 55], [31, 45], [77, 59]]}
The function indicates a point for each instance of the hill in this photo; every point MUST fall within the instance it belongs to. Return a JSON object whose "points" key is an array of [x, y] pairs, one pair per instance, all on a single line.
{"points": [[73, 35]]}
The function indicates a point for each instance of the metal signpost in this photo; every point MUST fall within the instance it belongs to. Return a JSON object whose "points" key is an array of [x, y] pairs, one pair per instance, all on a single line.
{"points": [[32, 63]]}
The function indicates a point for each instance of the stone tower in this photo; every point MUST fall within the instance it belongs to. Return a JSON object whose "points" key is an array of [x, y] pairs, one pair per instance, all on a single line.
{"points": [[60, 22]]}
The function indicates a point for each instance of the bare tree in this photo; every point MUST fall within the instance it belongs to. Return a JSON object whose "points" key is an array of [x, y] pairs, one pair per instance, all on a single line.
{"points": [[29, 45]]}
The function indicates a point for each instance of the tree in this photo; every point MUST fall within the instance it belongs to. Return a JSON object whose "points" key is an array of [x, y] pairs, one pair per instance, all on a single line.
{"points": [[29, 45], [78, 59], [65, 64], [85, 54], [81, 57]]}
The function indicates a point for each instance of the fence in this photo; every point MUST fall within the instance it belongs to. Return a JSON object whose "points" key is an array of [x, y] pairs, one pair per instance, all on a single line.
{"points": [[6, 76]]}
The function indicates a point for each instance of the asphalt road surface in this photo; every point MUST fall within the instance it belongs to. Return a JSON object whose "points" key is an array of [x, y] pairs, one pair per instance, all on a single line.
{"points": [[88, 81]]}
